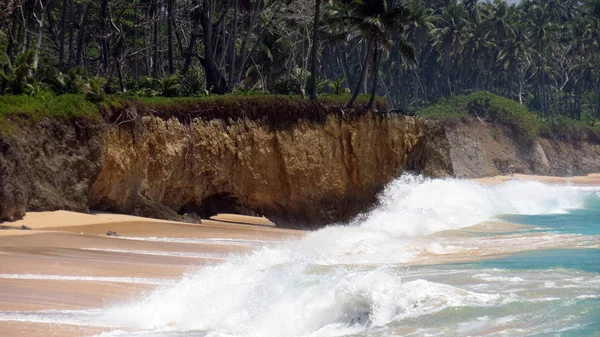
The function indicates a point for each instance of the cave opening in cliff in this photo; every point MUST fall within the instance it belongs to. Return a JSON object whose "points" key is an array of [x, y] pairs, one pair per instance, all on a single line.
{"points": [[216, 204]]}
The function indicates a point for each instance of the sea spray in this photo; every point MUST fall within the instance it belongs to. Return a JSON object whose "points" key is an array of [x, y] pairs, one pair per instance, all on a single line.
{"points": [[343, 280]]}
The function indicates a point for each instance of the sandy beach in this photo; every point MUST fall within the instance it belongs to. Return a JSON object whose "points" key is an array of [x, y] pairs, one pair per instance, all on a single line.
{"points": [[66, 261]]}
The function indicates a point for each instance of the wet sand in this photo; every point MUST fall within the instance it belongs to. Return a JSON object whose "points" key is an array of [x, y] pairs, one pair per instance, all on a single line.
{"points": [[26, 329], [66, 262]]}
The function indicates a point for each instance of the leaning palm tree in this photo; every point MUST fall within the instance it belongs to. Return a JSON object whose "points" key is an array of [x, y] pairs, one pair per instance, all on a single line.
{"points": [[374, 21]]}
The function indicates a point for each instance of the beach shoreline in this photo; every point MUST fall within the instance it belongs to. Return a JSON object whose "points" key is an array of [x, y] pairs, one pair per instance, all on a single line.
{"points": [[66, 261], [588, 180]]}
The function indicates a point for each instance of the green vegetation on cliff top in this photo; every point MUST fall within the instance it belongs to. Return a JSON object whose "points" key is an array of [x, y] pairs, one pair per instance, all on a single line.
{"points": [[277, 108], [49, 106], [281, 110], [525, 125]]}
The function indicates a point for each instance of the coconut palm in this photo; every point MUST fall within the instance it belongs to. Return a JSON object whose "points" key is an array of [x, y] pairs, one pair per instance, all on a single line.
{"points": [[450, 36], [375, 21]]}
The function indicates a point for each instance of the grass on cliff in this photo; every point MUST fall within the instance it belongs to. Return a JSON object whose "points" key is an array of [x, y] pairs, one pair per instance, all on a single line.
{"points": [[36, 108], [568, 129], [275, 109], [492, 108]]}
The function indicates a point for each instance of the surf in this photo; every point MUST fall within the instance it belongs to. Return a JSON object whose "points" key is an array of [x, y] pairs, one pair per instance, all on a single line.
{"points": [[370, 277]]}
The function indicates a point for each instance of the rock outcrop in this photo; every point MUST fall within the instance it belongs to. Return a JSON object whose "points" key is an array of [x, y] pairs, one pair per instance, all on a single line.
{"points": [[480, 149], [305, 176], [48, 166]]}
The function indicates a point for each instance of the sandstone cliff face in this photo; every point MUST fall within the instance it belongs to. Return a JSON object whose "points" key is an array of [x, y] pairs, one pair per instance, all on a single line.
{"points": [[305, 176], [49, 166], [481, 149]]}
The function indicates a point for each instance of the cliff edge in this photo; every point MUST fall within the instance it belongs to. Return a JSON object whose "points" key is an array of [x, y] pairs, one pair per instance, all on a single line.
{"points": [[303, 176]]}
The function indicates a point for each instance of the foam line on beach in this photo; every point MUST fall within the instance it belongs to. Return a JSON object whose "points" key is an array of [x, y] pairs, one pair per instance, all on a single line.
{"points": [[67, 317], [210, 256], [112, 279], [206, 241]]}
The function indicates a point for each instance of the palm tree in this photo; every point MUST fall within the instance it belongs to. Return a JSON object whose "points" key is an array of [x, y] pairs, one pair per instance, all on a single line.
{"points": [[450, 35], [417, 33], [375, 21], [515, 55]]}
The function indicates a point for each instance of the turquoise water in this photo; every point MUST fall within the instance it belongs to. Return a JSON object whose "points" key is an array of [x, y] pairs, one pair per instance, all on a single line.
{"points": [[584, 221], [587, 260]]}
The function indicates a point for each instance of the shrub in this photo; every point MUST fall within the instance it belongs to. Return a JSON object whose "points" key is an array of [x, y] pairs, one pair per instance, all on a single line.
{"points": [[337, 86], [17, 79], [193, 83], [94, 90], [493, 108], [505, 111], [169, 86], [72, 82], [568, 129]]}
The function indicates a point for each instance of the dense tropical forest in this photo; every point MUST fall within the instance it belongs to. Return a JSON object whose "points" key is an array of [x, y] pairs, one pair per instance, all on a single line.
{"points": [[544, 54]]}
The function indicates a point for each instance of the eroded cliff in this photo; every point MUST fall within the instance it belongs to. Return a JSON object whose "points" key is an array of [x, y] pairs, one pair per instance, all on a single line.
{"points": [[480, 149], [305, 176], [48, 166]]}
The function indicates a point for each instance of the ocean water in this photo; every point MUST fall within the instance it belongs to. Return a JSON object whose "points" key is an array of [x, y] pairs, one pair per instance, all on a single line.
{"points": [[434, 258]]}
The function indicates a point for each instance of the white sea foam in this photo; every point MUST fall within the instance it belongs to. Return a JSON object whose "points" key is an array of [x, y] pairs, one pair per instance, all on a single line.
{"points": [[258, 298]]}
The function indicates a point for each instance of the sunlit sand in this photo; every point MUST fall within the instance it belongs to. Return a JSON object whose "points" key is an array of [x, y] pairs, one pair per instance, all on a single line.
{"points": [[589, 180], [66, 261]]}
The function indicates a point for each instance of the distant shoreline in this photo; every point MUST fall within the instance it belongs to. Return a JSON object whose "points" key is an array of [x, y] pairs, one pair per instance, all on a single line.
{"points": [[587, 180]]}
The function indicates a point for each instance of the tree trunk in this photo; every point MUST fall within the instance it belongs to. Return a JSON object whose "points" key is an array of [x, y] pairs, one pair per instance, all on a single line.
{"points": [[361, 79], [11, 41], [215, 81], [155, 39], [196, 17], [178, 38], [40, 23], [120, 74], [234, 23], [81, 36], [71, 33], [170, 35], [135, 42], [375, 77], [257, 43], [61, 48], [104, 36], [314, 52], [244, 48]]}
